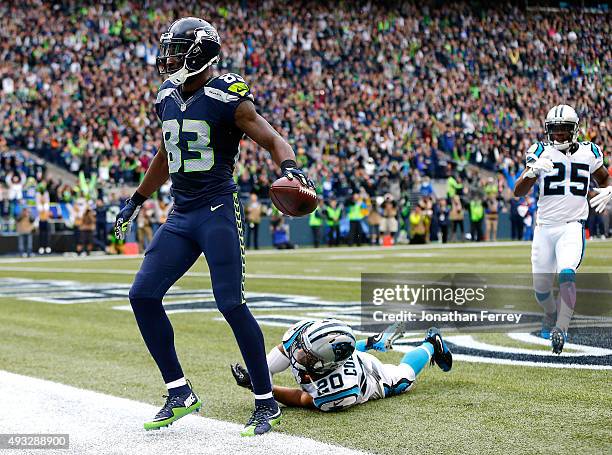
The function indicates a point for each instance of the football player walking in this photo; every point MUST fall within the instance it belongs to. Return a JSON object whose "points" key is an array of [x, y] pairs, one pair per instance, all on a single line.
{"points": [[563, 168], [203, 118]]}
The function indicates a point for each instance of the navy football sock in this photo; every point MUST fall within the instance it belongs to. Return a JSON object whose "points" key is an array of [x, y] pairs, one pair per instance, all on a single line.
{"points": [[158, 335], [251, 343], [180, 390]]}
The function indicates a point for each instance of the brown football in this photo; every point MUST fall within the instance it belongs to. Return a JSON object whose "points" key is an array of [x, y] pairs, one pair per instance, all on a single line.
{"points": [[291, 198]]}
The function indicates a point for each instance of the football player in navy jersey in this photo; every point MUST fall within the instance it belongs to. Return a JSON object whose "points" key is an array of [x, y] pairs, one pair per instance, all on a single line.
{"points": [[203, 118]]}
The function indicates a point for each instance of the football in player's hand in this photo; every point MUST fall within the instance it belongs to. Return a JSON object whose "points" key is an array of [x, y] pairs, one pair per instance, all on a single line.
{"points": [[291, 198]]}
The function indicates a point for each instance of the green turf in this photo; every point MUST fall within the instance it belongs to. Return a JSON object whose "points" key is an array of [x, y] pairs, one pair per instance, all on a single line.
{"points": [[476, 408]]}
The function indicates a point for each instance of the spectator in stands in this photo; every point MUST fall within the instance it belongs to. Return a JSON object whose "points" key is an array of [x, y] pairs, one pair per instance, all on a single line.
{"points": [[388, 223], [43, 231], [454, 186], [163, 210], [443, 215], [456, 218], [254, 212], [101, 225], [280, 235], [25, 227], [333, 213], [86, 228], [596, 224], [418, 226], [43, 208], [516, 219], [15, 181], [477, 214], [374, 222], [492, 216], [315, 221], [430, 88], [355, 215], [4, 202], [145, 227]]}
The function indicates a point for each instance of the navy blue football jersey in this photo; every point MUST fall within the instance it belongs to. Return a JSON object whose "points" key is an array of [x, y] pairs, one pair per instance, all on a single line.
{"points": [[201, 138]]}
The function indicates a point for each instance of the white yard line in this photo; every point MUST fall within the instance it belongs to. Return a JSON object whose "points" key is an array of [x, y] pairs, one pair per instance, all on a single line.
{"points": [[331, 251], [102, 424], [572, 366], [432, 246], [261, 276]]}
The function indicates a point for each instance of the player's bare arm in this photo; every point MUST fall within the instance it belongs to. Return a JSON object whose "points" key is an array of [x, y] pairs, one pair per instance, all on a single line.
{"points": [[293, 397], [156, 175], [524, 184], [258, 129]]}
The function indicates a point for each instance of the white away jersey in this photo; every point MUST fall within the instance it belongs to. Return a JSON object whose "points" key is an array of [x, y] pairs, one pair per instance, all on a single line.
{"points": [[563, 191]]}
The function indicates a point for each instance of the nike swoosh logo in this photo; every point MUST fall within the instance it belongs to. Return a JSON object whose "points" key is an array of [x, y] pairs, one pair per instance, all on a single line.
{"points": [[212, 209]]}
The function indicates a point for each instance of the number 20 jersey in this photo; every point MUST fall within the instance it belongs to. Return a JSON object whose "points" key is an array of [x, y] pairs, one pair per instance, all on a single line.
{"points": [[346, 386], [563, 191], [201, 138]]}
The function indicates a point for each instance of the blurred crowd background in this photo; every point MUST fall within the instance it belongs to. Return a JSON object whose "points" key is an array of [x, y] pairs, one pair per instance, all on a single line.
{"points": [[411, 117]]}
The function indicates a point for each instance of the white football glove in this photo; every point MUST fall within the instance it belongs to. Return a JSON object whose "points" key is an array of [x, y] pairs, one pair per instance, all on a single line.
{"points": [[600, 201], [538, 166]]}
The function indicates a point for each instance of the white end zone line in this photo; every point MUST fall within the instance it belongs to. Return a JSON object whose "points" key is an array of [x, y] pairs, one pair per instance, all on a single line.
{"points": [[431, 246], [102, 424], [468, 341]]}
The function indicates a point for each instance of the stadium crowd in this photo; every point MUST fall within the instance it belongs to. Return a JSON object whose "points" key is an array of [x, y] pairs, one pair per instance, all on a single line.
{"points": [[377, 98]]}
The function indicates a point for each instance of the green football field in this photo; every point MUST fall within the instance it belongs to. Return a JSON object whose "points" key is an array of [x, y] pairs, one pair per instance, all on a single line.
{"points": [[478, 407]]}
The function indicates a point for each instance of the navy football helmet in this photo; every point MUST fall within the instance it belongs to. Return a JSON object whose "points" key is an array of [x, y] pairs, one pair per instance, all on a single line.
{"points": [[188, 47]]}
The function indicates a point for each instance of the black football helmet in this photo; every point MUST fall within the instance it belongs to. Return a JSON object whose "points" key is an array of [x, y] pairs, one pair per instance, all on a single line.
{"points": [[188, 47]]}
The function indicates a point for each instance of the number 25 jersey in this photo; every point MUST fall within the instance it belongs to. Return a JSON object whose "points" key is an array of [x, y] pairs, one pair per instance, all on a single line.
{"points": [[563, 191], [201, 138]]}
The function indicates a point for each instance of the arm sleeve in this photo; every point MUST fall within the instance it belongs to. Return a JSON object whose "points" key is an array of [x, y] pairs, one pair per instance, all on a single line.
{"points": [[277, 361]]}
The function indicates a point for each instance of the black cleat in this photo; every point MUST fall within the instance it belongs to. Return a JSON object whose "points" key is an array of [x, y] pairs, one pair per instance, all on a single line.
{"points": [[557, 339], [264, 418], [442, 356]]}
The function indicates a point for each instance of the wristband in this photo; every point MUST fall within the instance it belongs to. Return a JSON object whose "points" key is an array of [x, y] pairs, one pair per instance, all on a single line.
{"points": [[138, 198], [288, 164]]}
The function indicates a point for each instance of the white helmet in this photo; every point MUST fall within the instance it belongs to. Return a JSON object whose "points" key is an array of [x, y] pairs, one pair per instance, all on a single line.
{"points": [[322, 347], [561, 126]]}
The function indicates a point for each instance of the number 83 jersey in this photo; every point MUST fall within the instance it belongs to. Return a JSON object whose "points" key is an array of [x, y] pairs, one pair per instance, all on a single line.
{"points": [[563, 191], [201, 138]]}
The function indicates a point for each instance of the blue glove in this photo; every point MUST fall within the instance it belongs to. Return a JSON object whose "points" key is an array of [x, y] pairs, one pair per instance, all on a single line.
{"points": [[290, 170], [128, 214]]}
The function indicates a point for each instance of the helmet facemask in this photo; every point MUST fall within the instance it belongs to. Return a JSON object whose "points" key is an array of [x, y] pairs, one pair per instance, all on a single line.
{"points": [[561, 134], [303, 359], [172, 53], [303, 356], [182, 58]]}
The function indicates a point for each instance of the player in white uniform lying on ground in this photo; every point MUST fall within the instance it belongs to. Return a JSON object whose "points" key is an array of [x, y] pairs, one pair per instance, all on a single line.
{"points": [[563, 168], [333, 370]]}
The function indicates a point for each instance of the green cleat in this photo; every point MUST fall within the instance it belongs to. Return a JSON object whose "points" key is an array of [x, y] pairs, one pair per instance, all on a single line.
{"points": [[176, 407]]}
